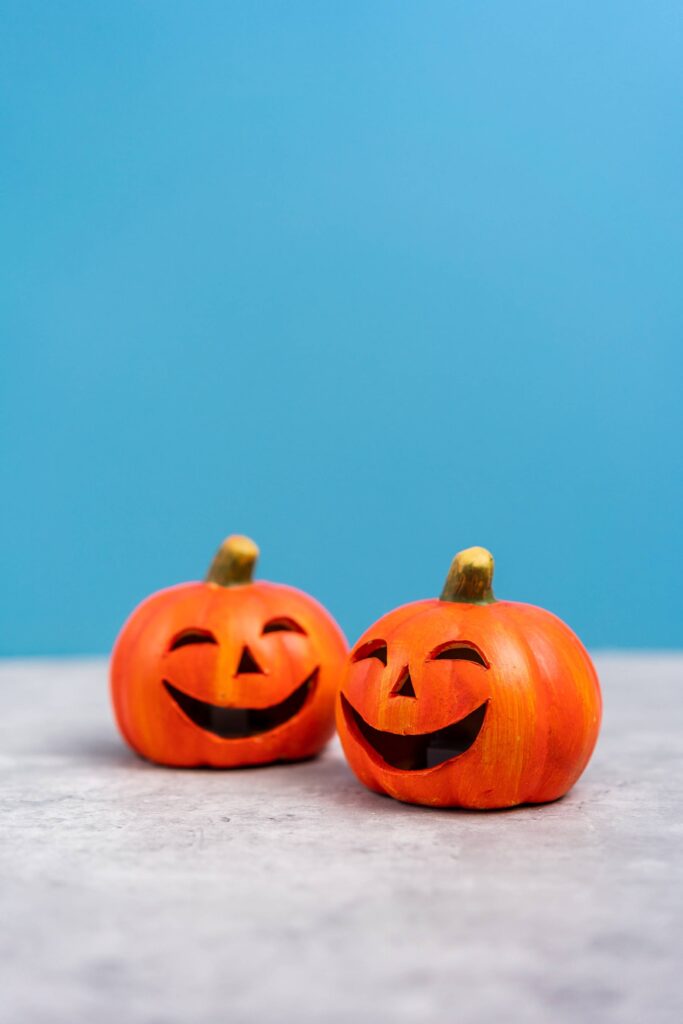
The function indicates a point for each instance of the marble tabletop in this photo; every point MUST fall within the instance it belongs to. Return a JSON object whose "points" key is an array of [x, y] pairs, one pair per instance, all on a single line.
{"points": [[290, 894]]}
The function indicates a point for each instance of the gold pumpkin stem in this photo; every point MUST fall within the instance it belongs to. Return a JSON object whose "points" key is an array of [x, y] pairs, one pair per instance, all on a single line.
{"points": [[470, 578], [234, 562]]}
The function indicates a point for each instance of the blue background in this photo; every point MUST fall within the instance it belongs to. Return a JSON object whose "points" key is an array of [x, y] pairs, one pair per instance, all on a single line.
{"points": [[371, 282]]}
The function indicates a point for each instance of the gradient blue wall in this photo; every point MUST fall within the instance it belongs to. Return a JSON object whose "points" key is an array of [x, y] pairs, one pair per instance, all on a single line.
{"points": [[370, 282]]}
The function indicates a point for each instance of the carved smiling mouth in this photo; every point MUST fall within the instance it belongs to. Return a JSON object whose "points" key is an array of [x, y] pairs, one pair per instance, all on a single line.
{"points": [[240, 723], [423, 750]]}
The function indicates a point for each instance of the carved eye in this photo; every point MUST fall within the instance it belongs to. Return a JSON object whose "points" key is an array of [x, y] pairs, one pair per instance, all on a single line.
{"points": [[283, 625], [192, 636], [460, 652], [372, 649]]}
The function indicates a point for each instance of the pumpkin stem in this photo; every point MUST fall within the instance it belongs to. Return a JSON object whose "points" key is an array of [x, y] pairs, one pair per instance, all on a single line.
{"points": [[233, 562], [470, 578]]}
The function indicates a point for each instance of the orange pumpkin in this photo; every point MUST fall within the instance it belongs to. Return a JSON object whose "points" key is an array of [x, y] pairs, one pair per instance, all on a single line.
{"points": [[465, 701], [227, 672]]}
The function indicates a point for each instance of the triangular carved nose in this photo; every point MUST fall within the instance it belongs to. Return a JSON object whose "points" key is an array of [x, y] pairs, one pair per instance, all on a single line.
{"points": [[248, 663], [404, 687]]}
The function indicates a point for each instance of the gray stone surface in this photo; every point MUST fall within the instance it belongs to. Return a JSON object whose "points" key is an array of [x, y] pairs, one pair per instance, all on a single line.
{"points": [[138, 894]]}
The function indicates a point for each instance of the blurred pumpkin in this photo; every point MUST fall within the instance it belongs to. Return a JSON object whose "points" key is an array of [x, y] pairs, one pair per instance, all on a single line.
{"points": [[227, 672]]}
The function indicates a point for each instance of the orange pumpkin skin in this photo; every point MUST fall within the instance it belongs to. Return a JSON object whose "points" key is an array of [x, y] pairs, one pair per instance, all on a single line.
{"points": [[536, 689], [151, 653]]}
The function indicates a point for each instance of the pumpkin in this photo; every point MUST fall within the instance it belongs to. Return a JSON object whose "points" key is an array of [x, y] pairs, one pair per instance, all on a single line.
{"points": [[466, 701], [227, 672]]}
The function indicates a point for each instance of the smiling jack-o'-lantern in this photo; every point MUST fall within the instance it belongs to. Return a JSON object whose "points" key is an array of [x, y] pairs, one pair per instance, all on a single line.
{"points": [[465, 701], [227, 672]]}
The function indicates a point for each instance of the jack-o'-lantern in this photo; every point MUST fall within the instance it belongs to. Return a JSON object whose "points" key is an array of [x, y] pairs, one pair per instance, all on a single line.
{"points": [[227, 672], [466, 701]]}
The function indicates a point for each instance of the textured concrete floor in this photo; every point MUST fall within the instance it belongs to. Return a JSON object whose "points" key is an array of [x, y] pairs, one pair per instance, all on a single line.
{"points": [[138, 894]]}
